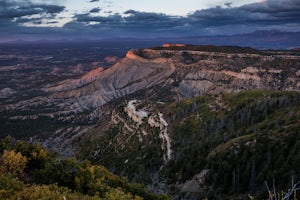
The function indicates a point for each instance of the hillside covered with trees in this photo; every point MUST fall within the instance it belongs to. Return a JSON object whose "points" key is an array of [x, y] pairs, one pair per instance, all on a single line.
{"points": [[29, 172], [223, 147]]}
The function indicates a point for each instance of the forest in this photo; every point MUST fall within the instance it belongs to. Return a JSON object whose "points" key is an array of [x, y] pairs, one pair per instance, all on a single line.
{"points": [[28, 171]]}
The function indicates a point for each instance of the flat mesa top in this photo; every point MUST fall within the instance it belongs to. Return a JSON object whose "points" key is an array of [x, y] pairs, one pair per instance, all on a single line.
{"points": [[222, 49]]}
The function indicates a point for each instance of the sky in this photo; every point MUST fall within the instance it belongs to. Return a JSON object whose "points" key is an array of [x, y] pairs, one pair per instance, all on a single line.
{"points": [[101, 19]]}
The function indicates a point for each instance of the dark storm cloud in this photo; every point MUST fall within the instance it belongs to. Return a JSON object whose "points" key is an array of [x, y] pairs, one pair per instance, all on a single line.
{"points": [[271, 14], [36, 20], [50, 9], [274, 6], [95, 10], [213, 20], [217, 16], [129, 24], [10, 9], [26, 20], [276, 11], [153, 20], [133, 20], [111, 19], [268, 13], [278, 14], [13, 14]]}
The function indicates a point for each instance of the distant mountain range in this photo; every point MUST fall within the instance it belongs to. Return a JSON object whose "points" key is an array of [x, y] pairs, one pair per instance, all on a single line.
{"points": [[259, 39]]}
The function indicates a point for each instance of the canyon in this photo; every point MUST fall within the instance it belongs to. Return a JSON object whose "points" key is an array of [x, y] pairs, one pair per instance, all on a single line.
{"points": [[142, 116]]}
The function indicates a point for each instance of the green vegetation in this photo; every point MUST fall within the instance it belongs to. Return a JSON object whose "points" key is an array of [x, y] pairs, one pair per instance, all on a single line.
{"points": [[211, 48], [27, 128], [123, 152], [28, 171], [243, 139]]}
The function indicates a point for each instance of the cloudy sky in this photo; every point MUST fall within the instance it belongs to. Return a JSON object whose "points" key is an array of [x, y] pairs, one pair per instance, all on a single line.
{"points": [[98, 19]]}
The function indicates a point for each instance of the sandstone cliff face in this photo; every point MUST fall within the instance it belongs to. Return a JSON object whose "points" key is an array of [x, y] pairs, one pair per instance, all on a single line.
{"points": [[188, 73], [208, 72], [131, 74], [180, 73]]}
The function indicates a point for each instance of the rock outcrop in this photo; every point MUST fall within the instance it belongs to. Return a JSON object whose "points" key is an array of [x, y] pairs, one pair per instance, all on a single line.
{"points": [[173, 72], [131, 74], [187, 72]]}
